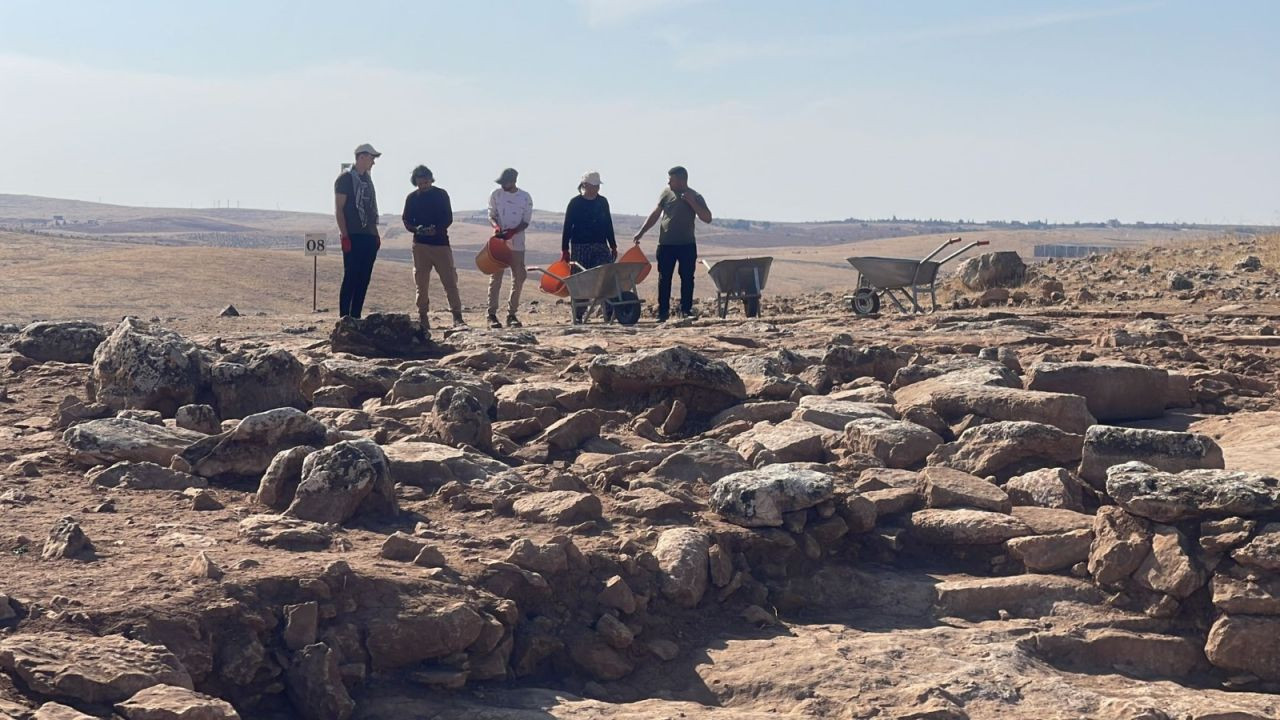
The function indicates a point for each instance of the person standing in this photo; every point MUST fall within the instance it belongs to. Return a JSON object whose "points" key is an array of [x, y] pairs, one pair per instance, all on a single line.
{"points": [[588, 238], [678, 205], [428, 215], [510, 212], [356, 207]]}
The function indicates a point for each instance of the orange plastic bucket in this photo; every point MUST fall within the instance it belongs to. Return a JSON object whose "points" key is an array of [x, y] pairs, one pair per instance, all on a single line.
{"points": [[486, 264], [499, 250], [636, 255], [552, 286]]}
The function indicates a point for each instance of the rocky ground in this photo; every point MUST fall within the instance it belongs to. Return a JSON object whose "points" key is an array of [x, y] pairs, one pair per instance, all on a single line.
{"points": [[1060, 505]]}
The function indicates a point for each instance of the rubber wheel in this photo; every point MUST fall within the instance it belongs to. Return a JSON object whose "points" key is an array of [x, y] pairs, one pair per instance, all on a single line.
{"points": [[751, 306], [628, 313], [866, 302]]}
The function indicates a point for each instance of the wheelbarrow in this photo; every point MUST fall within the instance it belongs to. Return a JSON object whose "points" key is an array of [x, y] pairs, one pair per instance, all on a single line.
{"points": [[609, 289], [739, 279], [903, 281]]}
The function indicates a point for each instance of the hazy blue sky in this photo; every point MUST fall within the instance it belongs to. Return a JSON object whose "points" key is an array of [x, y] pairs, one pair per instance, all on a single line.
{"points": [[784, 111]]}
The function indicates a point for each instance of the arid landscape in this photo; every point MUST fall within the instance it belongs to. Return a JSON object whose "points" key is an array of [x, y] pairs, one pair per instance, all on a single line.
{"points": [[1058, 497]]}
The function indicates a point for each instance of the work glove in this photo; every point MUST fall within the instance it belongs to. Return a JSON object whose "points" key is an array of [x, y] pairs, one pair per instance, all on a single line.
{"points": [[346, 243], [613, 254]]}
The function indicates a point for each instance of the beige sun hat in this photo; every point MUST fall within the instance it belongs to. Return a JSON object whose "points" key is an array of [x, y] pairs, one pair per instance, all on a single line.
{"points": [[591, 178]]}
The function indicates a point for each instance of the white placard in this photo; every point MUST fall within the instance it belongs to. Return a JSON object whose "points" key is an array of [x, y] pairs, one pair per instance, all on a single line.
{"points": [[315, 244]]}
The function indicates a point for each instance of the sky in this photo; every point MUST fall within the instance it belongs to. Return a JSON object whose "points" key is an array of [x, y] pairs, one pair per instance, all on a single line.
{"points": [[806, 110]]}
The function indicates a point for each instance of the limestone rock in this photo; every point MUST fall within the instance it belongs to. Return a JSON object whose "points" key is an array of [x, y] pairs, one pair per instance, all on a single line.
{"points": [[1236, 596], [315, 686], [198, 418], [1169, 567], [569, 432], [701, 462], [596, 657], [754, 412], [1113, 390], [955, 400], [429, 465], [1106, 445], [1009, 448], [171, 702], [834, 414], [1047, 487], [945, 487], [257, 383], [280, 481], [67, 541], [425, 381], [68, 341], [143, 476], [897, 443], [1021, 595], [1171, 497], [342, 480], [248, 449], [758, 498], [965, 527], [558, 507], [148, 367], [1003, 269], [1263, 551], [421, 632], [459, 417], [1121, 542], [709, 385], [1243, 644], [1141, 654], [545, 558], [89, 669], [367, 379], [787, 441], [682, 562], [1051, 553], [618, 595], [387, 335], [110, 440], [285, 532]]}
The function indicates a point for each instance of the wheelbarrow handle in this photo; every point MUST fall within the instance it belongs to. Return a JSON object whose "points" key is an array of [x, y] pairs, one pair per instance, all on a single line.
{"points": [[980, 243], [531, 268], [706, 265]]}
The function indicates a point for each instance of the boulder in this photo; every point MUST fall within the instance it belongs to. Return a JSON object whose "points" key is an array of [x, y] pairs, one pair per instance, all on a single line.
{"points": [[1106, 445], [758, 498], [147, 367], [754, 412], [1003, 269], [701, 462], [1131, 653], [342, 480], [770, 377], [128, 475], [459, 417], [568, 433], [1171, 497], [1047, 487], [89, 669], [1169, 567], [647, 502], [1254, 596], [53, 711], [381, 335], [787, 441], [368, 380], [958, 371], [418, 630], [1113, 390], [834, 414], [1244, 644], [429, 465], [707, 386], [1008, 448], [896, 443], [1052, 521], [425, 381], [249, 448], [286, 532], [845, 363], [68, 341], [1121, 542], [198, 418], [67, 541], [1262, 553], [965, 527], [945, 487], [280, 481], [682, 563], [983, 598], [261, 382], [953, 401], [558, 507], [546, 558], [111, 440], [315, 685], [171, 702], [1051, 553]]}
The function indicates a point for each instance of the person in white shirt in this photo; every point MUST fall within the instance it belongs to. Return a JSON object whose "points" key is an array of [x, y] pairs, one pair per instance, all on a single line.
{"points": [[510, 212]]}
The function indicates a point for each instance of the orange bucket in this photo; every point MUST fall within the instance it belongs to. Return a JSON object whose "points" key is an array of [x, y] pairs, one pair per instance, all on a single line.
{"points": [[499, 250], [636, 255], [552, 286], [486, 264]]}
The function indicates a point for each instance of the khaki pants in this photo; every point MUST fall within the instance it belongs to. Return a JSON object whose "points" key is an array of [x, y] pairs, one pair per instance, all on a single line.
{"points": [[439, 258], [517, 281]]}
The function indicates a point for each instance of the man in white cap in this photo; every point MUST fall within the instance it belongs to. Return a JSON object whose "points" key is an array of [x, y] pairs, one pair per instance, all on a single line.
{"points": [[510, 212], [356, 207]]}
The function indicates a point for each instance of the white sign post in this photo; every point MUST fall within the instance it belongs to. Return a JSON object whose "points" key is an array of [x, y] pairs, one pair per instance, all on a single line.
{"points": [[314, 248]]}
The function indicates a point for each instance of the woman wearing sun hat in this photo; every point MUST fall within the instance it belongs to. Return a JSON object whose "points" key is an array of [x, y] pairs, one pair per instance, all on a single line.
{"points": [[588, 238]]}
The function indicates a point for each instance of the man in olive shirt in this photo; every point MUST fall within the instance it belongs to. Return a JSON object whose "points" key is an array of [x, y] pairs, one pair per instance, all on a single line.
{"points": [[678, 205]]}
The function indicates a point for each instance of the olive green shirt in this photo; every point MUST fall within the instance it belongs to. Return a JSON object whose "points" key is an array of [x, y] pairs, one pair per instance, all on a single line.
{"points": [[677, 219]]}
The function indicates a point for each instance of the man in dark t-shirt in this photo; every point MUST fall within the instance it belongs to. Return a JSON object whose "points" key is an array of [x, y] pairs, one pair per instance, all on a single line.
{"points": [[356, 209], [678, 205], [428, 215]]}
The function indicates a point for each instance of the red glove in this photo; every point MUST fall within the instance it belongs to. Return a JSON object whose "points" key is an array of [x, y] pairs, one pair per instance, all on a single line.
{"points": [[564, 255], [346, 243]]}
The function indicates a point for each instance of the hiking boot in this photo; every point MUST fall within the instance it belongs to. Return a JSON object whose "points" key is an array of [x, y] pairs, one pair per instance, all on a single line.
{"points": [[458, 322], [493, 322], [513, 321]]}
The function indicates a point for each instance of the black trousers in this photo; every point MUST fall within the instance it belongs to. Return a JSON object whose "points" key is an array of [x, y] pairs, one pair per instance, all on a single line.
{"points": [[686, 256], [357, 268]]}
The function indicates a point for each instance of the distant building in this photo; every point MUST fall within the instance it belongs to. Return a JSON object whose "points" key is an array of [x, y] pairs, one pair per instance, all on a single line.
{"points": [[1071, 251], [59, 220]]}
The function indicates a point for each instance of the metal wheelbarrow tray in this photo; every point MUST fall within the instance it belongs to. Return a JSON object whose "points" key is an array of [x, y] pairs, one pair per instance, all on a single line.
{"points": [[903, 281], [609, 288], [739, 279]]}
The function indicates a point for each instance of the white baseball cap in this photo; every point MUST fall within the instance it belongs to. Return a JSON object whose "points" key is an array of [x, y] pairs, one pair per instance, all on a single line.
{"points": [[367, 148], [591, 178]]}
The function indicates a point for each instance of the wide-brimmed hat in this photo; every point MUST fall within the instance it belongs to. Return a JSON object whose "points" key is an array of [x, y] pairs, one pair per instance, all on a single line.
{"points": [[591, 178], [508, 175], [367, 148]]}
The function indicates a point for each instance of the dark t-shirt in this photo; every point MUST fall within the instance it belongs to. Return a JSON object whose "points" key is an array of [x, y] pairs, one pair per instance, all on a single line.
{"points": [[677, 218], [345, 185], [587, 222], [429, 208]]}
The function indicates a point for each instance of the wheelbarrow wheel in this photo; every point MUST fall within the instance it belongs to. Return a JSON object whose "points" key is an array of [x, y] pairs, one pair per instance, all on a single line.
{"points": [[866, 302], [751, 306], [627, 310]]}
